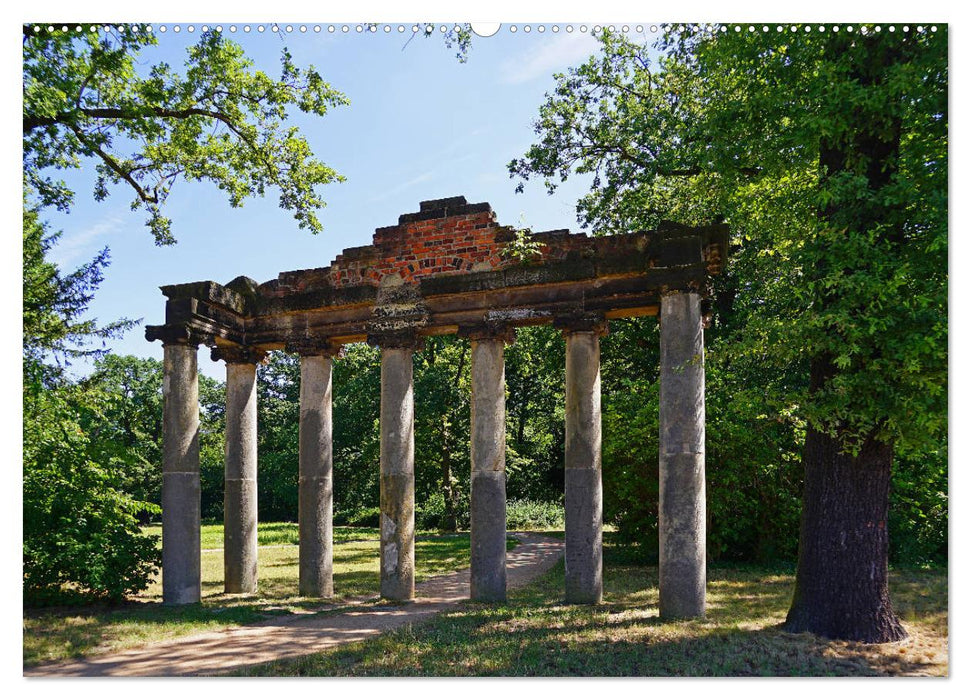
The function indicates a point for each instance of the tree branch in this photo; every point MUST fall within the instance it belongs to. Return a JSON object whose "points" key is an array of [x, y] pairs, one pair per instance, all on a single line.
{"points": [[67, 118], [113, 164]]}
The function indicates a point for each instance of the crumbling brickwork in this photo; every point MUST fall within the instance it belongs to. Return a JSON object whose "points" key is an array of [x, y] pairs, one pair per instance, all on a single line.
{"points": [[447, 236]]}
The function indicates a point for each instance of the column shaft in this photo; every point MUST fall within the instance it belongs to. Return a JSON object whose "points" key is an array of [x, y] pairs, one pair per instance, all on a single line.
{"points": [[240, 493], [488, 497], [584, 498], [681, 516], [316, 497], [397, 475], [181, 506]]}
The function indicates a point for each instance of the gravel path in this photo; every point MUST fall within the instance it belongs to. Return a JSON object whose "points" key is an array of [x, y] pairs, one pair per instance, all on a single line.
{"points": [[217, 652]]}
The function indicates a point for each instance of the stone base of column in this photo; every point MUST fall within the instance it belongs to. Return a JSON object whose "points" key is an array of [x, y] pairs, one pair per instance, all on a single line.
{"points": [[681, 524], [398, 537], [488, 545], [181, 549], [584, 536], [240, 536], [316, 537]]}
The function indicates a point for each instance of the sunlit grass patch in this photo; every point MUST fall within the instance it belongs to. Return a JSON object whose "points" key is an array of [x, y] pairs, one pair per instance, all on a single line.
{"points": [[535, 633], [59, 633]]}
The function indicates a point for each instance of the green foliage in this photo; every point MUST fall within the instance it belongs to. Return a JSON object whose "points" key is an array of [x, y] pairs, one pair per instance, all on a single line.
{"points": [[53, 303], [524, 514], [278, 418], [918, 510], [357, 439], [431, 514], [81, 535], [523, 248], [359, 517], [732, 124], [87, 95], [535, 421], [831, 262], [442, 415]]}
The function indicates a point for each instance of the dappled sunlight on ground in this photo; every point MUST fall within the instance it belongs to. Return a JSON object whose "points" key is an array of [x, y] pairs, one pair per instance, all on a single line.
{"points": [[537, 634]]}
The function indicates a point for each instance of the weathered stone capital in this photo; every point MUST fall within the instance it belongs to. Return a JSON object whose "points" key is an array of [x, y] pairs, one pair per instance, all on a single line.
{"points": [[489, 330], [178, 335], [581, 323], [400, 338], [314, 347], [689, 287], [238, 354]]}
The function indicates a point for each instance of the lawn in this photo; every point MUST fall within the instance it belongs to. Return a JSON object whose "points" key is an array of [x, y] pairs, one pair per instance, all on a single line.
{"points": [[60, 633], [535, 634]]}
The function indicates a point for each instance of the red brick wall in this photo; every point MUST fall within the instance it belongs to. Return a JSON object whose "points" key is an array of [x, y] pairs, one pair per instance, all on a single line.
{"points": [[451, 245], [446, 237]]}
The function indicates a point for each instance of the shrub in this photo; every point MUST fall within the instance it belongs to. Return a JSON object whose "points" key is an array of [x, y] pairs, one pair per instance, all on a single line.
{"points": [[524, 514], [82, 538], [359, 517]]}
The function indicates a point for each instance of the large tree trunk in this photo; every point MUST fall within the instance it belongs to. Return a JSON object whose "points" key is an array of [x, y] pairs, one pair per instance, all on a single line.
{"points": [[841, 579]]}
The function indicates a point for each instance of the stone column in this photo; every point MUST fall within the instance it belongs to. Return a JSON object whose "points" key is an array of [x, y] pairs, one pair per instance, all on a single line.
{"points": [[488, 453], [681, 516], [240, 492], [316, 487], [397, 465], [584, 493], [181, 507]]}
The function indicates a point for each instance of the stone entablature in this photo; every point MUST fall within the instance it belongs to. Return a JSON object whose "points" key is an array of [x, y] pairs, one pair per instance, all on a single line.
{"points": [[442, 268]]}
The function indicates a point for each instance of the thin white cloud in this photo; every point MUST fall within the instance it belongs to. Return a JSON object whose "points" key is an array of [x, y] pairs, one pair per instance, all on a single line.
{"points": [[402, 186], [546, 58], [78, 244], [446, 158]]}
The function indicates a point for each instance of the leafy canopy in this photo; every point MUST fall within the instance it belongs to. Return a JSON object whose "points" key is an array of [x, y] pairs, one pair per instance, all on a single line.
{"points": [[832, 261], [218, 120]]}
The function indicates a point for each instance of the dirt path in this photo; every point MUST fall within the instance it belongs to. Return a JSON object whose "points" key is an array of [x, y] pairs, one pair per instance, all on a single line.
{"points": [[217, 652]]}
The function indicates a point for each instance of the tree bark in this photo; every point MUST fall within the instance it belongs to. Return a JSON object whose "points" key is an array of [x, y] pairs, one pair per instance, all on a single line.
{"points": [[841, 579]]}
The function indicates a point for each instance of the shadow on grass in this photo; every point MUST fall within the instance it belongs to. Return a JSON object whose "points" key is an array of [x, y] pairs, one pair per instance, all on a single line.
{"points": [[537, 634]]}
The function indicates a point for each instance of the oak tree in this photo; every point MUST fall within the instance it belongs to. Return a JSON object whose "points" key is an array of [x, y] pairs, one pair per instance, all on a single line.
{"points": [[826, 151]]}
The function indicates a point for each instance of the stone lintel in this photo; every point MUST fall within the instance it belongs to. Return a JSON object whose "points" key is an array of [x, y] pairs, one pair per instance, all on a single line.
{"points": [[238, 354], [581, 322], [400, 338], [489, 330], [314, 347], [688, 286], [179, 335]]}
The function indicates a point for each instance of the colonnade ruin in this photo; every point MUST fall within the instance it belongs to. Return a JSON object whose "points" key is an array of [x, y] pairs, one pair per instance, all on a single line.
{"points": [[442, 270]]}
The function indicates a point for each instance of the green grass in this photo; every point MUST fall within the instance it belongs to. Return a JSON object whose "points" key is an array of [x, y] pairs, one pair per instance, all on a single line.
{"points": [[60, 633], [535, 634], [270, 534]]}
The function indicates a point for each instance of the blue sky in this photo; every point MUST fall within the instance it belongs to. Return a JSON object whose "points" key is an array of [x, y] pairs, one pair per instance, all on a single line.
{"points": [[420, 126]]}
